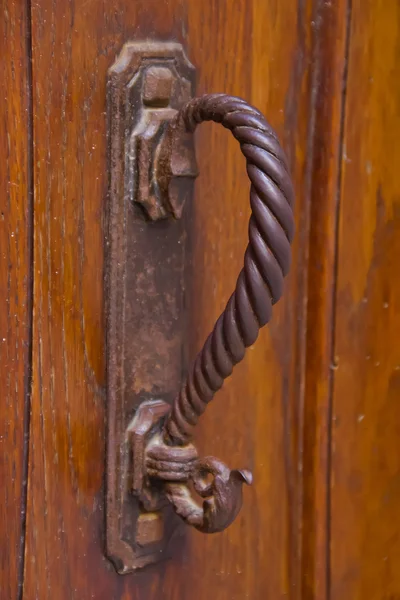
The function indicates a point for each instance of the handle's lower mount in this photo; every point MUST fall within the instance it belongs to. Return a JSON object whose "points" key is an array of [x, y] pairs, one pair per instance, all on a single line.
{"points": [[163, 472]]}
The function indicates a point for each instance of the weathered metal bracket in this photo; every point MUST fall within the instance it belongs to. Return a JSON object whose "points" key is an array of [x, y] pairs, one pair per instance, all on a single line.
{"points": [[145, 280], [153, 465]]}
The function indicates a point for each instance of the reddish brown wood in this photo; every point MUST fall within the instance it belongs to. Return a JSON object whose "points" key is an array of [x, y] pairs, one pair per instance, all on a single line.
{"points": [[365, 479], [259, 50], [322, 434], [15, 283]]}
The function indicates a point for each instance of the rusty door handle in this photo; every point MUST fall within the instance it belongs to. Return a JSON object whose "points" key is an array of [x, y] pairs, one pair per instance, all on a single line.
{"points": [[164, 463], [170, 456], [266, 260]]}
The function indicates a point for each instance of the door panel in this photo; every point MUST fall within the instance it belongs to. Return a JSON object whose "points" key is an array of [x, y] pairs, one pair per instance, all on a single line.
{"points": [[259, 50], [365, 478], [15, 286]]}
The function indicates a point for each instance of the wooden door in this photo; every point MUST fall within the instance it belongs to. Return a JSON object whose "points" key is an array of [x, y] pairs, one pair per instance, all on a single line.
{"points": [[314, 409]]}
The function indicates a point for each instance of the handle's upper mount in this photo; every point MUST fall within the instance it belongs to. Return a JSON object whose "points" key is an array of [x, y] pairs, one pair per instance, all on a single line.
{"points": [[152, 462], [164, 164]]}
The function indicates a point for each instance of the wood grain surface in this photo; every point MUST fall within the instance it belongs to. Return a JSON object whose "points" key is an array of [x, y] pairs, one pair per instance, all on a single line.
{"points": [[314, 408], [328, 80], [15, 285], [365, 479], [260, 50]]}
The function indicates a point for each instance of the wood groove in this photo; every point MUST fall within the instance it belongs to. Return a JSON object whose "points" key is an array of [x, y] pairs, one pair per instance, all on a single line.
{"points": [[29, 301], [15, 286], [327, 76], [334, 296]]}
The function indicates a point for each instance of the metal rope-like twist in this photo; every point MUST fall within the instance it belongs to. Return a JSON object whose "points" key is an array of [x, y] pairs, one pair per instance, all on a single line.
{"points": [[266, 262]]}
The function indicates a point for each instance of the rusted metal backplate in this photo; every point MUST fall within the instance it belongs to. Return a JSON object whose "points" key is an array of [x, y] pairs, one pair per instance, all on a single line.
{"points": [[145, 283]]}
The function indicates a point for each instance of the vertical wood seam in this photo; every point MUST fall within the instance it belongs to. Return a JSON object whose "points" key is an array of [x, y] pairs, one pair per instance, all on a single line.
{"points": [[323, 179], [29, 302], [296, 573], [334, 289], [294, 417], [311, 133]]}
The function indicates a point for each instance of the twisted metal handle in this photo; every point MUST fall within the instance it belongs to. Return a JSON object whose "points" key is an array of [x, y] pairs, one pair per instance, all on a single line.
{"points": [[153, 165], [266, 261]]}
